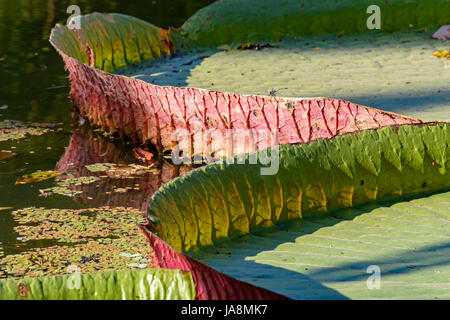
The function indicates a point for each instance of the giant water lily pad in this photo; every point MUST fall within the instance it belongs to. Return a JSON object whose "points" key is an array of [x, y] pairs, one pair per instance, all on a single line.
{"points": [[137, 110], [228, 198]]}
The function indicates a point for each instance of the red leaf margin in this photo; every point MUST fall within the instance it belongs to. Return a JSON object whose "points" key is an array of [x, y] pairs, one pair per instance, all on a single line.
{"points": [[211, 284]]}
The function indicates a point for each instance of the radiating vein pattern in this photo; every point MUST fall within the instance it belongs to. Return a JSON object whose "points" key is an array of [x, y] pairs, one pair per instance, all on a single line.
{"points": [[223, 200]]}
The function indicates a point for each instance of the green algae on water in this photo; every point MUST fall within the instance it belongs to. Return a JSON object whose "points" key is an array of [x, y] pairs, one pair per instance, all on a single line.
{"points": [[95, 239]]}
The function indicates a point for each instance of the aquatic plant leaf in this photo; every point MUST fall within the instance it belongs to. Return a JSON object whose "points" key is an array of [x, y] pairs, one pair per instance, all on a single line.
{"points": [[99, 167], [111, 41], [222, 22], [333, 256], [224, 199], [442, 54], [148, 284], [236, 209], [37, 176], [5, 155]]}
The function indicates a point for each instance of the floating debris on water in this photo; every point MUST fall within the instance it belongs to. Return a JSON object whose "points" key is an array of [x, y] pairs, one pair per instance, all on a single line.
{"points": [[442, 54], [94, 239], [142, 155], [63, 186], [38, 176], [130, 171], [99, 167], [443, 33]]}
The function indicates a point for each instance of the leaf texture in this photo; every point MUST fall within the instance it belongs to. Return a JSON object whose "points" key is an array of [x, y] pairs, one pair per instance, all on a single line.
{"points": [[223, 200], [148, 284]]}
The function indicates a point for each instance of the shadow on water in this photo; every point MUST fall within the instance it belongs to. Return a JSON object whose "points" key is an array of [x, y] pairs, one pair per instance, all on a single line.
{"points": [[404, 102]]}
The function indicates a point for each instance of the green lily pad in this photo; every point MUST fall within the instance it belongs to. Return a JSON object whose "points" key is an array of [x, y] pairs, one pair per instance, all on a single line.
{"points": [[334, 213], [5, 155]]}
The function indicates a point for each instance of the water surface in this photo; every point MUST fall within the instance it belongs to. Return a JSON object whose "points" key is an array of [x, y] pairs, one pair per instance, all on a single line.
{"points": [[34, 87]]}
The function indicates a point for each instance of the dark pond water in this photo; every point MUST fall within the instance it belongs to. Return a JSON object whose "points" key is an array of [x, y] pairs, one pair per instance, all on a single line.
{"points": [[34, 88]]}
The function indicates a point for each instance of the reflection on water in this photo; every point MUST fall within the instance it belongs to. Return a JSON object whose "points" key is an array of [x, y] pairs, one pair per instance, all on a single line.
{"points": [[86, 148], [33, 82], [34, 87]]}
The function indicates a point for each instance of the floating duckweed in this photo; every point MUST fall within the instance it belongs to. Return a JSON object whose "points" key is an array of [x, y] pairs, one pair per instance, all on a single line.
{"points": [[62, 186], [64, 191], [95, 239], [14, 130], [123, 172], [37, 176], [100, 167]]}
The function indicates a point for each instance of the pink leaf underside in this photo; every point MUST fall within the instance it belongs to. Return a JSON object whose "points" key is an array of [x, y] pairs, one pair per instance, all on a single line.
{"points": [[85, 149], [152, 114], [443, 33], [211, 284]]}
